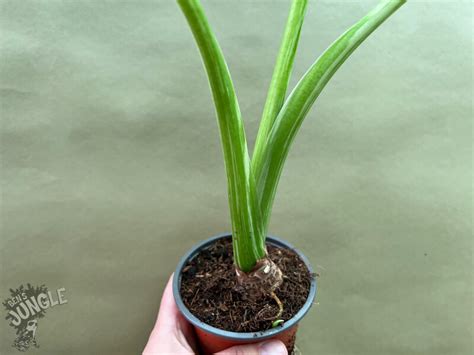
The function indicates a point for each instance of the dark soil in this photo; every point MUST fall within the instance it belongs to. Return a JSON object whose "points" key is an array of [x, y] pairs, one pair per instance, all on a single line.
{"points": [[208, 289]]}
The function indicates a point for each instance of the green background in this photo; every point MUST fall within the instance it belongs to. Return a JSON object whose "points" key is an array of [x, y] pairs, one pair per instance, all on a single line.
{"points": [[112, 168]]}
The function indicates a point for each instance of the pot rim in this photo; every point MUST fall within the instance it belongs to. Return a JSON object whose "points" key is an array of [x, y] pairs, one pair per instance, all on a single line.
{"points": [[247, 336]]}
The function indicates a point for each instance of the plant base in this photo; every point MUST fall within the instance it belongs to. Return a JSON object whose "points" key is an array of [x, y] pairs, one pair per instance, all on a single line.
{"points": [[207, 293]]}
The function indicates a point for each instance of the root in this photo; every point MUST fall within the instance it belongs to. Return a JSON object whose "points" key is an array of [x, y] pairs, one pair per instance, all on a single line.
{"points": [[262, 281], [280, 305], [277, 320]]}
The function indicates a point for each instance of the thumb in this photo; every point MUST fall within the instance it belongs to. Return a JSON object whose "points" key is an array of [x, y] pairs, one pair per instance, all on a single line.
{"points": [[272, 347]]}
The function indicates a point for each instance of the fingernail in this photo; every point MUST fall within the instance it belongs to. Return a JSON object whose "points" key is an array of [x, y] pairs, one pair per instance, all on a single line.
{"points": [[272, 347]]}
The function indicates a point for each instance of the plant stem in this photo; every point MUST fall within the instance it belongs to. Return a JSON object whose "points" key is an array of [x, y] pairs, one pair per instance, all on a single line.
{"points": [[247, 233], [281, 76], [275, 150]]}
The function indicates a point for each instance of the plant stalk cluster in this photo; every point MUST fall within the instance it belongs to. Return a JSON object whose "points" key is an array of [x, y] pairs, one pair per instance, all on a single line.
{"points": [[252, 182]]}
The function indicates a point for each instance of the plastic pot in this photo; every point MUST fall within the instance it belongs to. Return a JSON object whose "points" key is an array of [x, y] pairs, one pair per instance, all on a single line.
{"points": [[213, 339]]}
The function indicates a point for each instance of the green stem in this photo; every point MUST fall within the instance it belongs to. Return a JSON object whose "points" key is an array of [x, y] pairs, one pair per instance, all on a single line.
{"points": [[248, 237], [272, 157], [281, 76]]}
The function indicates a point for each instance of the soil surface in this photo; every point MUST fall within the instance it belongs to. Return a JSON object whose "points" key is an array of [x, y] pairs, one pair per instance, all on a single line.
{"points": [[209, 291]]}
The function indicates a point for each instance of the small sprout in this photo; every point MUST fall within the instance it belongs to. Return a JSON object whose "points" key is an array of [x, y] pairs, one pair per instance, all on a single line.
{"points": [[277, 323]]}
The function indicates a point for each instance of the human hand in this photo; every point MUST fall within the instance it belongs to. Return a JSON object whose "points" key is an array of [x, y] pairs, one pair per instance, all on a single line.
{"points": [[173, 334]]}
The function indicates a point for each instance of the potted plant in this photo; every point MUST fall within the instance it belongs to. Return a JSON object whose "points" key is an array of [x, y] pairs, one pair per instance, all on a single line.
{"points": [[247, 286]]}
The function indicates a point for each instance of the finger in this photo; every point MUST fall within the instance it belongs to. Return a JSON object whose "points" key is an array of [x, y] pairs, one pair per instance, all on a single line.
{"points": [[272, 347], [170, 326], [170, 318], [167, 315]]}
